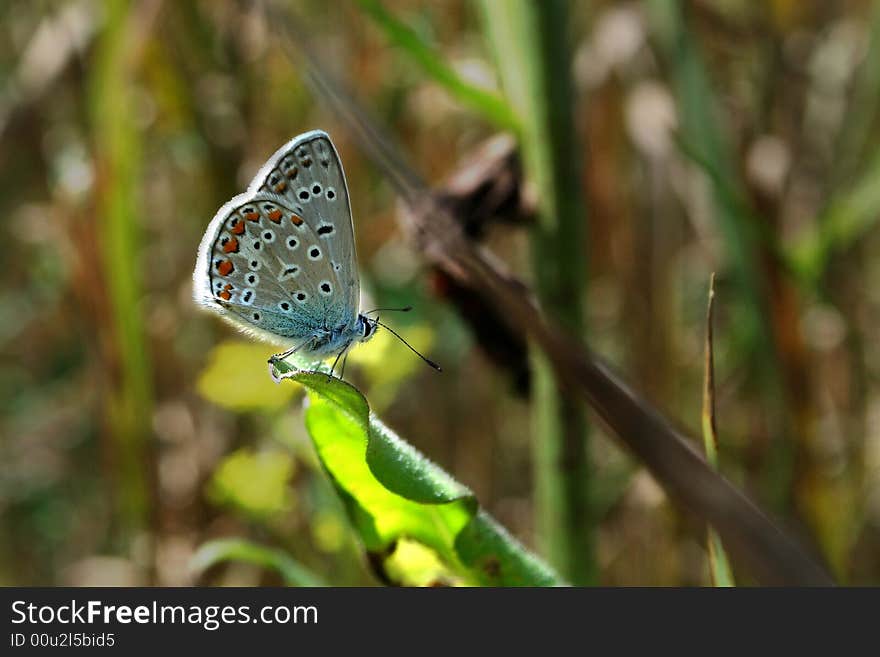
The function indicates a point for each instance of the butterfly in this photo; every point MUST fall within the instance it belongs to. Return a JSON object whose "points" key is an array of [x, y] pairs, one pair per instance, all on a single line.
{"points": [[279, 261]]}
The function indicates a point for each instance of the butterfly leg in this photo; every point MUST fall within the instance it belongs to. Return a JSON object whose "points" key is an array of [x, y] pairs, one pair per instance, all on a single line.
{"points": [[333, 367], [344, 360], [277, 358]]}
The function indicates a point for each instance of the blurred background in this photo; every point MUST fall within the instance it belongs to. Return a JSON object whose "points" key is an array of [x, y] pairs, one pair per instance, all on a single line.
{"points": [[713, 135]]}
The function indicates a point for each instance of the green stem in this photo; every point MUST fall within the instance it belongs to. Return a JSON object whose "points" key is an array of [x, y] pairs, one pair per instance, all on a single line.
{"points": [[117, 153], [719, 564], [533, 59]]}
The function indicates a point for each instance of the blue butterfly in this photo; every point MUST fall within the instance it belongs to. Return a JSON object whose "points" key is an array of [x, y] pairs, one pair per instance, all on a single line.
{"points": [[279, 261]]}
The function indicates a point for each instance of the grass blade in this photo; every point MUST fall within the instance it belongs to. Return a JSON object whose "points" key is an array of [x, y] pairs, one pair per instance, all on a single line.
{"points": [[242, 550], [849, 216], [719, 566], [489, 105]]}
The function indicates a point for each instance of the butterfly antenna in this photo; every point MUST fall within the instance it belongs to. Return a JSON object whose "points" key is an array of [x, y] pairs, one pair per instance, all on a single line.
{"points": [[411, 348], [405, 309]]}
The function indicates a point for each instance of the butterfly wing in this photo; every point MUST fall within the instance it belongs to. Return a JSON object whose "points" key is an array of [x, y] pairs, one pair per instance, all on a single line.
{"points": [[279, 260], [307, 173]]}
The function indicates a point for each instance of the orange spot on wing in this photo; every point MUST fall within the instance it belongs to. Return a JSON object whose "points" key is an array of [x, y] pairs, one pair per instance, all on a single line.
{"points": [[292, 173], [296, 220], [225, 267], [252, 216], [231, 246], [225, 295], [275, 215], [238, 228], [280, 187]]}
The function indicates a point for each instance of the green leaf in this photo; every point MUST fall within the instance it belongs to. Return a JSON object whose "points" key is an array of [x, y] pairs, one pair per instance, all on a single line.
{"points": [[490, 106], [237, 549], [416, 565], [392, 493]]}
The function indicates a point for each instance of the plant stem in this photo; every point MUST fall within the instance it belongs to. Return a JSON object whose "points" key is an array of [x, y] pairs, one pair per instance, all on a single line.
{"points": [[533, 60], [117, 153]]}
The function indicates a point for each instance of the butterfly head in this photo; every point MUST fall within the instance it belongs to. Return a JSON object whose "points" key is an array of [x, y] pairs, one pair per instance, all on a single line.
{"points": [[365, 328]]}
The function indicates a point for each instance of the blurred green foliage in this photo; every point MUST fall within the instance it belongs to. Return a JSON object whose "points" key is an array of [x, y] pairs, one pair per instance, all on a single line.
{"points": [[490, 105], [236, 377], [257, 484]]}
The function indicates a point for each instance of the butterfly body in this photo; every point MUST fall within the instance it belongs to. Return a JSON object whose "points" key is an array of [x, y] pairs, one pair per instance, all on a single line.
{"points": [[279, 260], [333, 341]]}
